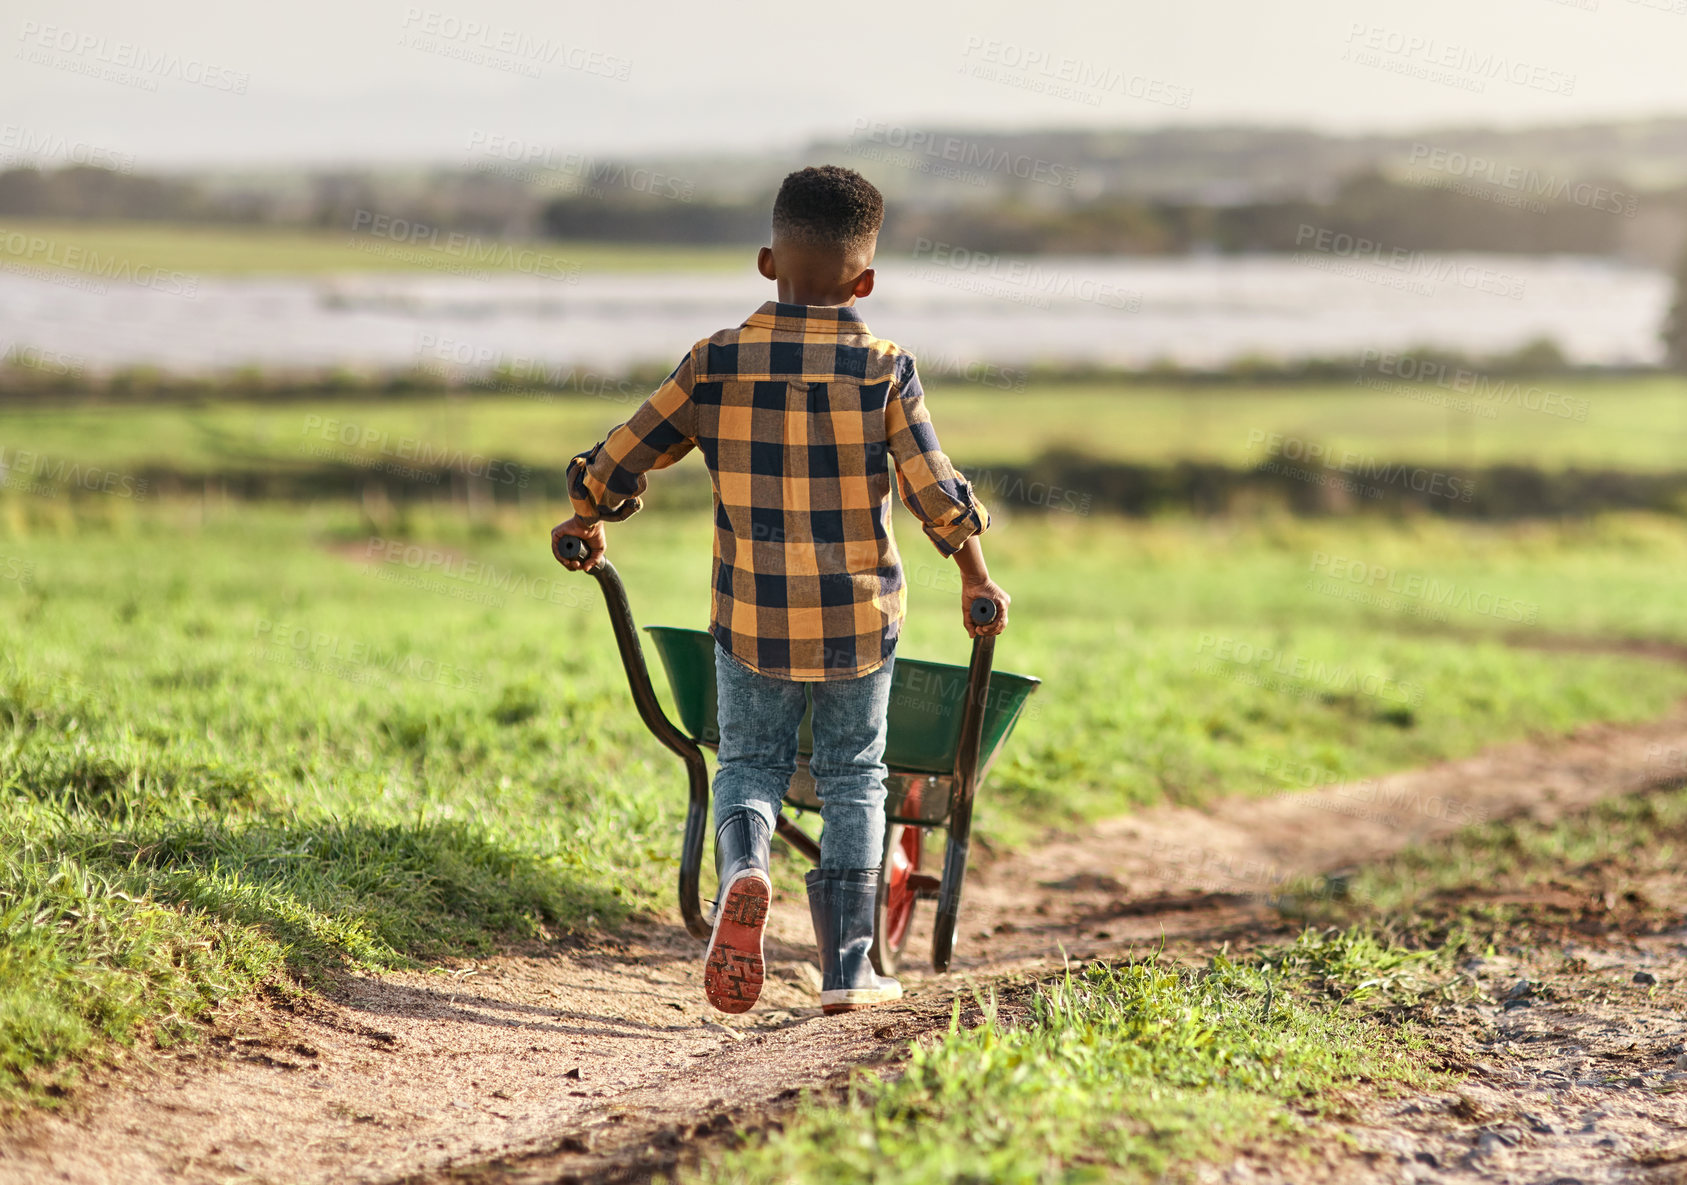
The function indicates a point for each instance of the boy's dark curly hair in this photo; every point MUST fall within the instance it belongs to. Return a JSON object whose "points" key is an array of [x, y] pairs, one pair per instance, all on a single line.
{"points": [[828, 206]]}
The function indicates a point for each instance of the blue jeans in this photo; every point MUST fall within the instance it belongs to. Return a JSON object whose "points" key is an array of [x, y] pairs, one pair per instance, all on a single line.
{"points": [[759, 718]]}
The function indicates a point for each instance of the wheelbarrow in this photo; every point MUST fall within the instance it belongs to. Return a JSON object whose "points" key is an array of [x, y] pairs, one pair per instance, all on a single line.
{"points": [[947, 725]]}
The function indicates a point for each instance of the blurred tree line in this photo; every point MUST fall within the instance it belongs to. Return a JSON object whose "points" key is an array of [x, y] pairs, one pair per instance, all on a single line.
{"points": [[1387, 212], [1596, 218], [484, 203], [89, 192]]}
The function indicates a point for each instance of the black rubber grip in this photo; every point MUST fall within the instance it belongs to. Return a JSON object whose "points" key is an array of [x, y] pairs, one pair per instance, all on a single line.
{"points": [[982, 611], [570, 547]]}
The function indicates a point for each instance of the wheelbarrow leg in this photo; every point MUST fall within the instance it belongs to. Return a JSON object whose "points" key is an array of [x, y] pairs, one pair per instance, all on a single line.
{"points": [[961, 794], [691, 850], [799, 839]]}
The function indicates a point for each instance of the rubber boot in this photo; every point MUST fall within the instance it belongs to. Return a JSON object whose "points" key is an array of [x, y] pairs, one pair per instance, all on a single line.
{"points": [[732, 968], [842, 902]]}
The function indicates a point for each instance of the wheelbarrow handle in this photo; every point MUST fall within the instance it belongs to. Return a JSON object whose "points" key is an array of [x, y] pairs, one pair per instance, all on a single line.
{"points": [[969, 765], [569, 547], [982, 611], [573, 549]]}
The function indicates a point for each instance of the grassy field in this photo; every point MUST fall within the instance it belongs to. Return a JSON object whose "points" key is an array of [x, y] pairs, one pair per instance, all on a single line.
{"points": [[1142, 1070], [1121, 1072], [259, 250], [1634, 424], [1627, 851], [250, 745], [246, 741], [1630, 423]]}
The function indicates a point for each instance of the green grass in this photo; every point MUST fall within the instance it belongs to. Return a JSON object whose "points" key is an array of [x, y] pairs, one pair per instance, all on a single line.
{"points": [[1120, 1072], [1630, 423], [1141, 1070], [1144, 1070], [259, 250], [234, 746], [1623, 852], [1636, 424]]}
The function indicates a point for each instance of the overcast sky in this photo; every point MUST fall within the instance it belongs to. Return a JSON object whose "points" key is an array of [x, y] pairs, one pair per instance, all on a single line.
{"points": [[174, 82]]}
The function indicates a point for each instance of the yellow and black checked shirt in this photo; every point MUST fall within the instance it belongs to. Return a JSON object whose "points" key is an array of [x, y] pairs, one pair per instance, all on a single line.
{"points": [[800, 414]]}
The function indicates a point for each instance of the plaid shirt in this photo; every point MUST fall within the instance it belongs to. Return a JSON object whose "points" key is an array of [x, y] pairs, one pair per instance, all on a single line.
{"points": [[799, 414]]}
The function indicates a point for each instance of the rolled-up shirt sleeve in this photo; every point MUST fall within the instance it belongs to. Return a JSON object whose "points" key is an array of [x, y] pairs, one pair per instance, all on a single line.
{"points": [[931, 488], [607, 481]]}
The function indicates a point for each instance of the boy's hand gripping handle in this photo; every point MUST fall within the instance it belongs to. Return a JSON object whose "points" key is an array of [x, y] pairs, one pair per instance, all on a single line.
{"points": [[982, 610]]}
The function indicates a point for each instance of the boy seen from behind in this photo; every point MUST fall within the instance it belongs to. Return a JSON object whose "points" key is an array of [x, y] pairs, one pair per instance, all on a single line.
{"points": [[801, 416]]}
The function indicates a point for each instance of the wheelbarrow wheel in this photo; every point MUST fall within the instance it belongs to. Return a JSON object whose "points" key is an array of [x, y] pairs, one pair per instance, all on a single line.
{"points": [[897, 894]]}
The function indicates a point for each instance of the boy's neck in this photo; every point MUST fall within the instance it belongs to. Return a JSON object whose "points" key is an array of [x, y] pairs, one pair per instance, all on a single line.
{"points": [[789, 293], [817, 276]]}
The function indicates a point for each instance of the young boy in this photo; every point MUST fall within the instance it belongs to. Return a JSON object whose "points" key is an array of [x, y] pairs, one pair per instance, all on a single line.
{"points": [[800, 414]]}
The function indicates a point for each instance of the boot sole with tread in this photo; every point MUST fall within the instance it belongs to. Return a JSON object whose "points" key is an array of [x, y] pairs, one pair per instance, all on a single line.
{"points": [[733, 969]]}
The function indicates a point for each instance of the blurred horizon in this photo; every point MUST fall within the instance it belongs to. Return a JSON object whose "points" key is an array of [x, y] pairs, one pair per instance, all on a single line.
{"points": [[325, 85], [1206, 186]]}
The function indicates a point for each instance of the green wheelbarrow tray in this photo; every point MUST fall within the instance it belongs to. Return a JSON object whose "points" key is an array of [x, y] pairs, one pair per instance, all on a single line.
{"points": [[947, 724], [927, 700]]}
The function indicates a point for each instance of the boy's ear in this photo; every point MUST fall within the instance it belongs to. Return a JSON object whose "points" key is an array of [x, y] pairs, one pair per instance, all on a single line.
{"points": [[764, 264], [863, 284]]}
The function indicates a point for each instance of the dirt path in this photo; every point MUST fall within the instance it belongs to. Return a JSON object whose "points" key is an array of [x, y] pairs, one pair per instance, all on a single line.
{"points": [[599, 1063], [1576, 1078]]}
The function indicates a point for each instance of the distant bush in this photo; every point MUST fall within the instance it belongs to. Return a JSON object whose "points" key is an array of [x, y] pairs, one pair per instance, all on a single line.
{"points": [[35, 376], [1675, 326]]}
